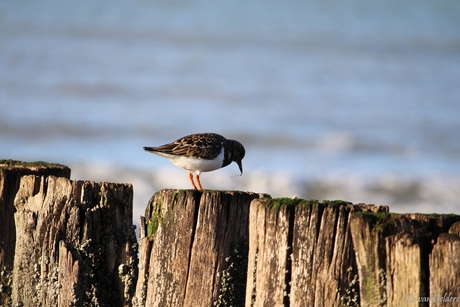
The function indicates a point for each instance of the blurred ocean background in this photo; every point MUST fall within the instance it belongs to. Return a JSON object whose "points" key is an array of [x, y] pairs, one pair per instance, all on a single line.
{"points": [[351, 100]]}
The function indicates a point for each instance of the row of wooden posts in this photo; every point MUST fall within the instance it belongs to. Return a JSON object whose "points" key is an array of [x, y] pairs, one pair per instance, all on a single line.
{"points": [[72, 243]]}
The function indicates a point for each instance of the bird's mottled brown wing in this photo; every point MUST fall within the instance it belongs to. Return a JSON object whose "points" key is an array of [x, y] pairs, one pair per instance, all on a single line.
{"points": [[203, 145]]}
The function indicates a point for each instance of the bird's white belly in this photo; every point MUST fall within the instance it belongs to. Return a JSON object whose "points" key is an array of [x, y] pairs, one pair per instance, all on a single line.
{"points": [[197, 165]]}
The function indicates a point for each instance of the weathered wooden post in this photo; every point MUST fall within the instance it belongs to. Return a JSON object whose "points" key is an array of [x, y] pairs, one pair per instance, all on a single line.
{"points": [[10, 176], [291, 252], [301, 253], [407, 259], [74, 242], [186, 236]]}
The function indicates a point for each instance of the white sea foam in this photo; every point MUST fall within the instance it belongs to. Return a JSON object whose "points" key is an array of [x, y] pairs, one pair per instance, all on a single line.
{"points": [[435, 194]]}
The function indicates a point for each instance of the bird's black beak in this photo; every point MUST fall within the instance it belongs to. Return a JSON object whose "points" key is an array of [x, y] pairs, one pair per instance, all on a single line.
{"points": [[240, 165]]}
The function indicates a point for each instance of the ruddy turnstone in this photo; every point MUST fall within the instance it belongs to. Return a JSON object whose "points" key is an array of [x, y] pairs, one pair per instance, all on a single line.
{"points": [[201, 152]]}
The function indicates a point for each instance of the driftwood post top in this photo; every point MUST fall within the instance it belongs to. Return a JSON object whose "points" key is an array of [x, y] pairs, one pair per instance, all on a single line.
{"points": [[64, 242], [11, 172], [72, 243], [53, 169], [300, 252], [407, 259], [186, 238]]}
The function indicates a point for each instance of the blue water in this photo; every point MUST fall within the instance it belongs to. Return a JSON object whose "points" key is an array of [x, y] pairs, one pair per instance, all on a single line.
{"points": [[354, 100]]}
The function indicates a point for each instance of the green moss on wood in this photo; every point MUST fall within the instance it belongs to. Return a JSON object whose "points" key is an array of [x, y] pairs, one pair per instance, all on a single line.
{"points": [[285, 201], [178, 194], [381, 221], [15, 163], [152, 228], [276, 203], [156, 214], [337, 202], [387, 221], [155, 219], [438, 216], [375, 216]]}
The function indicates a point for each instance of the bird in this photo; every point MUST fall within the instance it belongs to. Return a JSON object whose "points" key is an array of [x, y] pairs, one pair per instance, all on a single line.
{"points": [[201, 152]]}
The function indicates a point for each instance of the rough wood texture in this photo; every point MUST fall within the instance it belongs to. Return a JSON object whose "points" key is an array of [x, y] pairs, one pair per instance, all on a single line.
{"points": [[72, 243], [300, 252], [368, 245], [186, 238], [75, 243], [292, 252], [444, 266], [270, 245], [10, 175], [407, 259]]}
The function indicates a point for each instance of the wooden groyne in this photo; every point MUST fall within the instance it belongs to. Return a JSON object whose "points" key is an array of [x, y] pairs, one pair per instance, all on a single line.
{"points": [[185, 240], [243, 249], [72, 243], [64, 242]]}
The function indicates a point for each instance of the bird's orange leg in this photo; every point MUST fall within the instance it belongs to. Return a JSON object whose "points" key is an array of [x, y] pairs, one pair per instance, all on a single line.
{"points": [[198, 181], [190, 176]]}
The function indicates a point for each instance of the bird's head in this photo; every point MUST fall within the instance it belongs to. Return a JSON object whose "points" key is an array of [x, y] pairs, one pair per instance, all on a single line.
{"points": [[238, 154]]}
